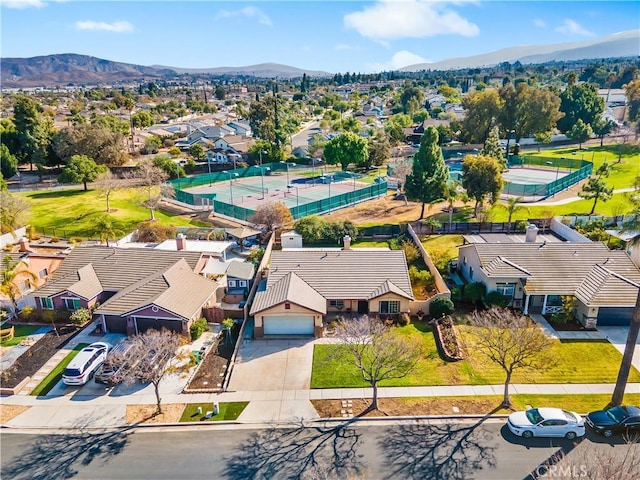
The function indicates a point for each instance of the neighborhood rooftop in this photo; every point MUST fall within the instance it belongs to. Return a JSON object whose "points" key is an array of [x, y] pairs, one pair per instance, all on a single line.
{"points": [[369, 271]]}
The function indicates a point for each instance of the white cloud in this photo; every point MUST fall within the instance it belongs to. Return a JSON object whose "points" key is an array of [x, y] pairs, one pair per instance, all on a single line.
{"points": [[538, 22], [400, 59], [390, 19], [249, 12], [22, 4], [572, 27], [116, 27]]}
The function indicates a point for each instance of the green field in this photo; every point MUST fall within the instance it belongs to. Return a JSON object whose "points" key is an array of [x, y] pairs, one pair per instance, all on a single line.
{"points": [[574, 362], [69, 213]]}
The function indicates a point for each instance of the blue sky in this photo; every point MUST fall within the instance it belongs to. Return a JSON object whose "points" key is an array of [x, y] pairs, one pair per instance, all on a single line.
{"points": [[355, 36]]}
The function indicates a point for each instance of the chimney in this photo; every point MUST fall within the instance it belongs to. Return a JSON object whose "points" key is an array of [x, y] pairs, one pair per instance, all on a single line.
{"points": [[24, 245], [531, 233], [347, 242], [181, 242]]}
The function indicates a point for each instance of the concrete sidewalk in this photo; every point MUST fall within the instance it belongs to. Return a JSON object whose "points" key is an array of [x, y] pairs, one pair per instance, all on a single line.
{"points": [[264, 406]]}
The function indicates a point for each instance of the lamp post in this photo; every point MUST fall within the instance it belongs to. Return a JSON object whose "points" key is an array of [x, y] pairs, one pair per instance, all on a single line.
{"points": [[262, 169], [209, 165], [231, 175], [261, 152], [297, 199], [323, 177], [287, 165]]}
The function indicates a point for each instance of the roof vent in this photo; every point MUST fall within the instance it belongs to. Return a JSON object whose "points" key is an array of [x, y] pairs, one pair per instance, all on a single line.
{"points": [[575, 253], [531, 234], [543, 244]]}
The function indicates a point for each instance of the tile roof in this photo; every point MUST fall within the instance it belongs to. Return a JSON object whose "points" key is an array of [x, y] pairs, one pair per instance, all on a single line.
{"points": [[344, 274], [605, 288], [243, 270], [175, 289], [557, 268], [289, 288], [114, 268]]}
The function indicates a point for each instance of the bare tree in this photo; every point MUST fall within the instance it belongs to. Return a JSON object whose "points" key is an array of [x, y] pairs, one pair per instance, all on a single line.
{"points": [[592, 461], [151, 358], [107, 183], [401, 170], [272, 215], [151, 179], [377, 351], [511, 340]]}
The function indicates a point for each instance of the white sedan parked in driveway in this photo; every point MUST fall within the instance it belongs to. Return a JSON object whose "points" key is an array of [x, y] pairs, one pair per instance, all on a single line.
{"points": [[546, 422]]}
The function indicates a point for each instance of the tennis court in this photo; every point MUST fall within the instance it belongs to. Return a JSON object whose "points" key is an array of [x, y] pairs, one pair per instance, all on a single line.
{"points": [[533, 176], [304, 190]]}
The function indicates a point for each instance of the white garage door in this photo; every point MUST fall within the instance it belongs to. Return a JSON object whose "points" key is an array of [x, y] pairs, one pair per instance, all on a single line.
{"points": [[294, 325]]}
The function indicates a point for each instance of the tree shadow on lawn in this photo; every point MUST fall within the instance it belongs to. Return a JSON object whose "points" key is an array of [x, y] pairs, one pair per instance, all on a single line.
{"points": [[58, 194], [451, 451], [56, 457], [296, 454]]}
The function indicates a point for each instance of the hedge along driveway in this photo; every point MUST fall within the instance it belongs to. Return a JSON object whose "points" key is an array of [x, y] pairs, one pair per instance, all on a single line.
{"points": [[592, 361]]}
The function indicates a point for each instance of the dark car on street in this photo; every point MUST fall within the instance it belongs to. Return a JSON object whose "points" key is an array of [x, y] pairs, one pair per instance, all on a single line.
{"points": [[622, 419]]}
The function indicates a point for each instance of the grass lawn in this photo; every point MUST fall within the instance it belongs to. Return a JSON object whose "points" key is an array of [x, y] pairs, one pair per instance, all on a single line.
{"points": [[74, 212], [575, 362], [228, 411], [21, 332], [55, 375], [442, 248], [370, 244], [622, 174]]}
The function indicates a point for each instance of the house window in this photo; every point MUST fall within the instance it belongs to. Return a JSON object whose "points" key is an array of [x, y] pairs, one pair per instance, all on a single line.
{"points": [[242, 283], [336, 303], [389, 306], [287, 306], [46, 303], [43, 273], [24, 285], [506, 289], [470, 273], [232, 283], [72, 304], [464, 260]]}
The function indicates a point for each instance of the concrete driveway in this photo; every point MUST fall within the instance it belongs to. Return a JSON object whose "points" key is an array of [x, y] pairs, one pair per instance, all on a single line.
{"points": [[274, 364], [617, 336]]}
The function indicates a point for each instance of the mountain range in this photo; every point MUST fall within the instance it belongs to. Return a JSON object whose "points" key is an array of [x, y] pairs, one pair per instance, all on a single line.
{"points": [[622, 44], [69, 68]]}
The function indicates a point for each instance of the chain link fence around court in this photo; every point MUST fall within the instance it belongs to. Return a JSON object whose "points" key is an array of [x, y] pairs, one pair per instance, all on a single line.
{"points": [[579, 169], [304, 205]]}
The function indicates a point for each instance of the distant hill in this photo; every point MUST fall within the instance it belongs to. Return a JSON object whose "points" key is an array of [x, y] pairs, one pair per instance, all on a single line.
{"points": [[265, 70], [71, 68], [623, 44], [66, 68]]}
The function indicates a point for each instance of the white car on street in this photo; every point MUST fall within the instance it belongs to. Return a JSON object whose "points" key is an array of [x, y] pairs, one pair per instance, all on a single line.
{"points": [[546, 422]]}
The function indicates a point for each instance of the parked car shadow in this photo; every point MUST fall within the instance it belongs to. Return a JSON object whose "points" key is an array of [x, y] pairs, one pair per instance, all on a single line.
{"points": [[536, 442], [451, 451], [56, 457], [299, 453]]}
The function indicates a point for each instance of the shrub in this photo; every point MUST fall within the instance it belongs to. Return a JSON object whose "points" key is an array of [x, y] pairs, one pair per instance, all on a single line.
{"points": [[420, 278], [256, 256], [496, 299], [404, 319], [474, 292], [48, 316], [154, 232], [411, 251], [440, 307], [80, 316], [26, 313], [198, 327]]}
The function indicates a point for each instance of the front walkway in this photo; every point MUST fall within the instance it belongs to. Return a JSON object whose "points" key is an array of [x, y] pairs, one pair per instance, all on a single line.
{"points": [[571, 335]]}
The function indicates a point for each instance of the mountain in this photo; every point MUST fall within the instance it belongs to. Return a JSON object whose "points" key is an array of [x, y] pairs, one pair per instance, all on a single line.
{"points": [[623, 44], [264, 70], [71, 68], [68, 68]]}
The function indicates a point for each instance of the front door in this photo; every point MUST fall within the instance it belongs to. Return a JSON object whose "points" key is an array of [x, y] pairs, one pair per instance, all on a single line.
{"points": [[363, 306]]}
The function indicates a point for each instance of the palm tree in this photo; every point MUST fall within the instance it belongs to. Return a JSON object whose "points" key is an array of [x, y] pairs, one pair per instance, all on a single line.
{"points": [[106, 229], [11, 269], [451, 194], [513, 206], [632, 336]]}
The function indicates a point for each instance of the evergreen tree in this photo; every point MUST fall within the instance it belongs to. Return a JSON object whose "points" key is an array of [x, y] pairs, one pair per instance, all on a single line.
{"points": [[492, 147], [430, 174]]}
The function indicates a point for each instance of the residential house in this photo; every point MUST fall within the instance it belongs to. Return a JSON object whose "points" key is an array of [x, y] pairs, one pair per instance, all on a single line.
{"points": [[234, 144], [133, 289], [240, 128], [306, 284], [534, 276]]}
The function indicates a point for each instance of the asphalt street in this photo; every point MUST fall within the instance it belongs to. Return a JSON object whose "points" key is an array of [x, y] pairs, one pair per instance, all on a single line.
{"points": [[460, 451]]}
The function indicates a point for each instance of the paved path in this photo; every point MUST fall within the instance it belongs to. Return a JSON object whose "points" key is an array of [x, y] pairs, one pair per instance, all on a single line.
{"points": [[564, 201]]}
